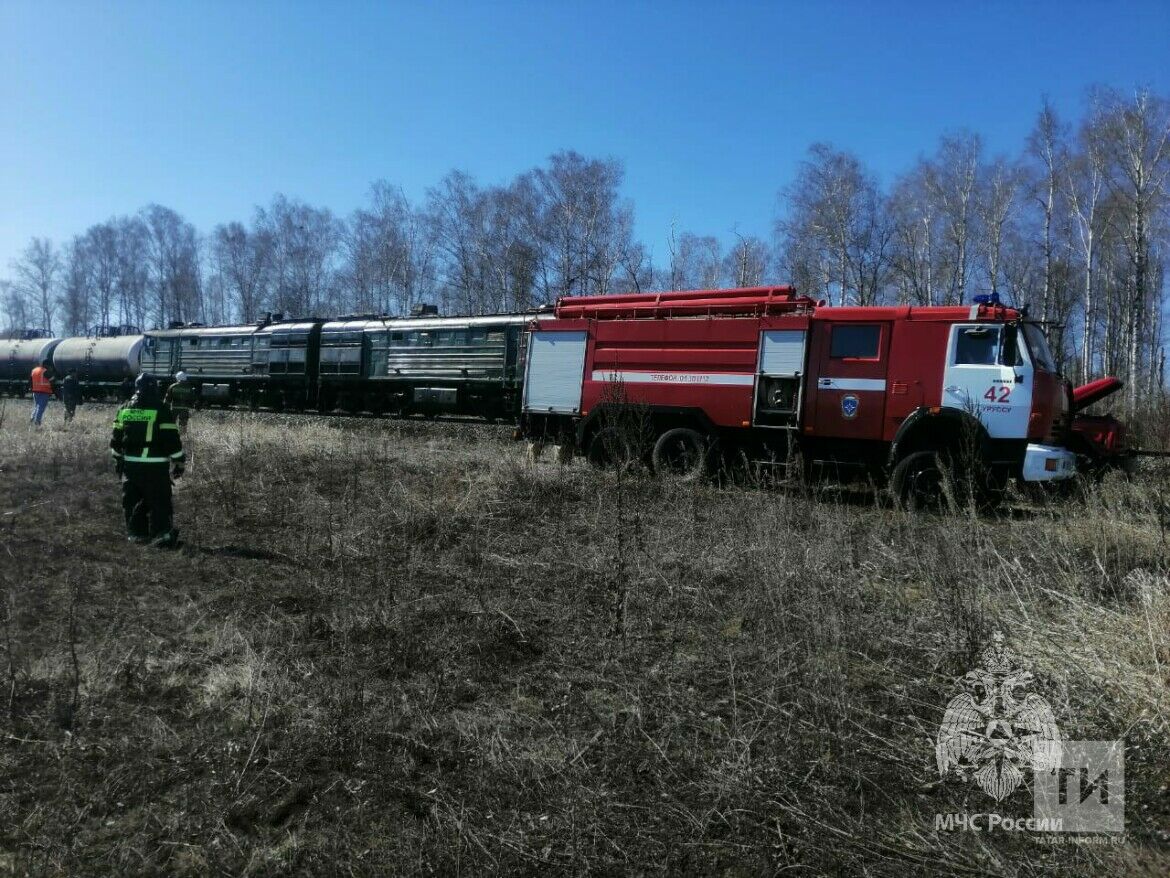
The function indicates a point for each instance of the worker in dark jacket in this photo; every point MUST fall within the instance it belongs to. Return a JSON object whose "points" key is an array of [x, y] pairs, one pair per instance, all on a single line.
{"points": [[180, 397], [71, 394], [147, 450]]}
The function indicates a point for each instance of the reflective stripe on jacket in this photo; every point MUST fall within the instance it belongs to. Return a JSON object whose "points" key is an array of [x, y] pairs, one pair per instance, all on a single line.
{"points": [[145, 432], [40, 380]]}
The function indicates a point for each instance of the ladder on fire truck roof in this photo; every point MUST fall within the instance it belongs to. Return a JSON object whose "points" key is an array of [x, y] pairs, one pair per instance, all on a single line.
{"points": [[742, 302]]}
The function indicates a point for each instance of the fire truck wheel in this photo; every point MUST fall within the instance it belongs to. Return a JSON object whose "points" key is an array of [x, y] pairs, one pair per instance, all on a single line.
{"points": [[610, 449], [682, 453], [918, 481]]}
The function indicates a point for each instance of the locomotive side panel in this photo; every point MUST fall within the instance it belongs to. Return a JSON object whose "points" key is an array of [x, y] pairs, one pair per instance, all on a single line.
{"points": [[453, 365]]}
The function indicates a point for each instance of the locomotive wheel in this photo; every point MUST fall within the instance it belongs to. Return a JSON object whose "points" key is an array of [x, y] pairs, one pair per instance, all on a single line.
{"points": [[682, 453]]}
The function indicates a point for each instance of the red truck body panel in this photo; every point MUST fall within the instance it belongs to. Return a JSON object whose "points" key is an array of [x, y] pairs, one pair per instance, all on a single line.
{"points": [[708, 363]]}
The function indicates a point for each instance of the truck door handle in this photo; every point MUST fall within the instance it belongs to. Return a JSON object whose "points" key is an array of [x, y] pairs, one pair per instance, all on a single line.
{"points": [[1019, 379]]}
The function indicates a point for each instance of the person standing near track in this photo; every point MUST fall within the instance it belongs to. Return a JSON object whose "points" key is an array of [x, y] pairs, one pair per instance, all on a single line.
{"points": [[180, 397], [42, 391], [146, 446], [71, 394]]}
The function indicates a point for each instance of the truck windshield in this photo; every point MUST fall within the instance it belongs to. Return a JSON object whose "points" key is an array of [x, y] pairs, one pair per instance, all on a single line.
{"points": [[1038, 346]]}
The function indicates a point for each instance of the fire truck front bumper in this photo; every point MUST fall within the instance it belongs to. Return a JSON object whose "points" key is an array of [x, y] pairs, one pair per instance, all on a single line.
{"points": [[1048, 463]]}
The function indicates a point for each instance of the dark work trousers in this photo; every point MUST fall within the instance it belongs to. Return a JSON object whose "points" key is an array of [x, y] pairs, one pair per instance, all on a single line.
{"points": [[146, 498]]}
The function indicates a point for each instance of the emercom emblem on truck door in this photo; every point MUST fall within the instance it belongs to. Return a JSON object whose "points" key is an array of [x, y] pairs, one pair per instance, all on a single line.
{"points": [[988, 375], [850, 360]]}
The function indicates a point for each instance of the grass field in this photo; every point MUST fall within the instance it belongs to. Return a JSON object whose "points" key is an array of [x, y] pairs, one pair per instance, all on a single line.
{"points": [[391, 646]]}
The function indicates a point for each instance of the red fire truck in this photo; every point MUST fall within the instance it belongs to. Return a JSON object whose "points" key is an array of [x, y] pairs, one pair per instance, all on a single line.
{"points": [[921, 397]]}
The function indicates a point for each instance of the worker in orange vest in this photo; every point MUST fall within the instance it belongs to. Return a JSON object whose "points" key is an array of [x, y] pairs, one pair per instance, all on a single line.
{"points": [[42, 391]]}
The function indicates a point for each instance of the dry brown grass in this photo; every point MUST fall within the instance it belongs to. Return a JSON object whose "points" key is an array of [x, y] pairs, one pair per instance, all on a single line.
{"points": [[393, 646]]}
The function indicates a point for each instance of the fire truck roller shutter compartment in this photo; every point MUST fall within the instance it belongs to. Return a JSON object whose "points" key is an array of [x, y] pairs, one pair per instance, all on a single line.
{"points": [[781, 365], [782, 352], [556, 370]]}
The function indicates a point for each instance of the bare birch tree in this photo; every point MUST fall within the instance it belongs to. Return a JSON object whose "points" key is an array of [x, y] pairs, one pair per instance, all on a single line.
{"points": [[37, 272], [951, 180], [1135, 138], [995, 204], [1045, 148]]}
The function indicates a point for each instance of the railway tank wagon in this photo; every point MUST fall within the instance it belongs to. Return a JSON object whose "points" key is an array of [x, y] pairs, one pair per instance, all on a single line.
{"points": [[18, 357], [103, 364], [425, 365]]}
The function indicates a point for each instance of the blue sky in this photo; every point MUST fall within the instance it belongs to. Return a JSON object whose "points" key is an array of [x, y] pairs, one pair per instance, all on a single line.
{"points": [[212, 107]]}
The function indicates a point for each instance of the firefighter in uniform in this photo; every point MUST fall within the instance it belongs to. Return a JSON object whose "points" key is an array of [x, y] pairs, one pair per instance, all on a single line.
{"points": [[146, 446], [180, 397]]}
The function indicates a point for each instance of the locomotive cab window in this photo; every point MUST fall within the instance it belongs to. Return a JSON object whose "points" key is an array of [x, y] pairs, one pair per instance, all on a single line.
{"points": [[855, 342]]}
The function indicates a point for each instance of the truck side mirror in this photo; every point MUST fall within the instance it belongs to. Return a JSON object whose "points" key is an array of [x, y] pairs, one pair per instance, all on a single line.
{"points": [[1010, 354]]}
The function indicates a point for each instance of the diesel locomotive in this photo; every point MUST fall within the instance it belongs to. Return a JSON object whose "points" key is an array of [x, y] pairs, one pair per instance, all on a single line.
{"points": [[424, 364]]}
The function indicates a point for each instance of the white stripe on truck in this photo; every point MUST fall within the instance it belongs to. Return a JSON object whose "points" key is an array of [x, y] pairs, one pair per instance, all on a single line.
{"points": [[852, 383], [711, 378]]}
